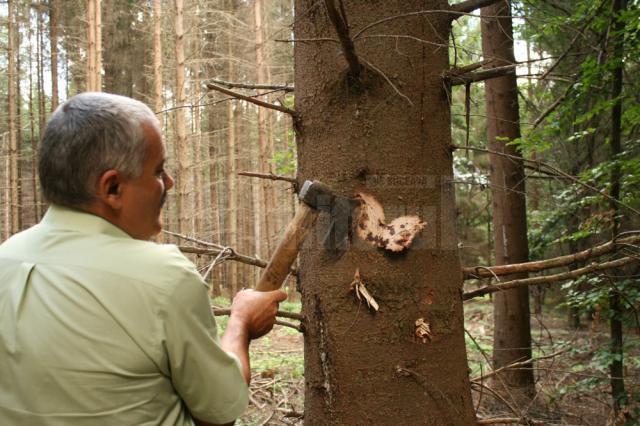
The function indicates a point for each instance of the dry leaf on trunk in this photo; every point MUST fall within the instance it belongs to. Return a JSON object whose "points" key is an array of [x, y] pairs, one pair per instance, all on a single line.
{"points": [[371, 226]]}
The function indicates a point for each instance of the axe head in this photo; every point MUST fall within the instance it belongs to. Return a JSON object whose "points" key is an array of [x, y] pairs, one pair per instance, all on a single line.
{"points": [[322, 198]]}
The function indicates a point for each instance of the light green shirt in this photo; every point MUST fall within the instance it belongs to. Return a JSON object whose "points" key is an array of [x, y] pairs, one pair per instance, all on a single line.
{"points": [[97, 328]]}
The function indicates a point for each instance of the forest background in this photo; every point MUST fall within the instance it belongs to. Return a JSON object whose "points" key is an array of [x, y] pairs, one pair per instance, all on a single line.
{"points": [[202, 64]]}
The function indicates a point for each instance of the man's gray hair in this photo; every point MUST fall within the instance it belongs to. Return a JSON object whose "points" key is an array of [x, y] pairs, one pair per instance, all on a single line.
{"points": [[87, 135]]}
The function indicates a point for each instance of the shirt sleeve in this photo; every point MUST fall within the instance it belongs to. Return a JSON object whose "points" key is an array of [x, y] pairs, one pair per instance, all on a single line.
{"points": [[208, 379]]}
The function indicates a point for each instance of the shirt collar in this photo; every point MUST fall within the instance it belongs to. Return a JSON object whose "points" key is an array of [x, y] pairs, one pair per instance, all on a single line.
{"points": [[76, 220]]}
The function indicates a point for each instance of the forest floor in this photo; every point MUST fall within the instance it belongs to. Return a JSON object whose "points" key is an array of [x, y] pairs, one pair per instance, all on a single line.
{"points": [[572, 386]]}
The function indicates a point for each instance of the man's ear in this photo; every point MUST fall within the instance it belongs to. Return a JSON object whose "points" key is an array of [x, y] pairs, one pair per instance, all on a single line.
{"points": [[110, 189]]}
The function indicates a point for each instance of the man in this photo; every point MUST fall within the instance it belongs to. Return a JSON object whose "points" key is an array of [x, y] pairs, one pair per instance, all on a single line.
{"points": [[98, 325]]}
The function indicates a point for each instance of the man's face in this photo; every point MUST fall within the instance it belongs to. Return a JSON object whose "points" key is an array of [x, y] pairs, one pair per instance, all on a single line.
{"points": [[144, 196]]}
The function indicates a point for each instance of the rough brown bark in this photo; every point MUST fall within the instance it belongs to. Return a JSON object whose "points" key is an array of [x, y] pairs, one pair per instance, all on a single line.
{"points": [[512, 328], [364, 368]]}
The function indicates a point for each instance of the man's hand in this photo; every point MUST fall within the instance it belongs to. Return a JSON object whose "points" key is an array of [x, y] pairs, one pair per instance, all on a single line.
{"points": [[257, 310], [253, 314]]}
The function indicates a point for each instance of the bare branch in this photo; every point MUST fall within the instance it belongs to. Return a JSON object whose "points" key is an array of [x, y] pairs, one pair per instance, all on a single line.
{"points": [[541, 265], [283, 314], [549, 278], [339, 21], [471, 5], [555, 171], [269, 176], [249, 99], [553, 106], [471, 77], [517, 365], [231, 85]]}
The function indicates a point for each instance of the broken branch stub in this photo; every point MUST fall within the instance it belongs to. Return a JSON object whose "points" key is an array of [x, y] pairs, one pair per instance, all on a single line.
{"points": [[371, 226]]}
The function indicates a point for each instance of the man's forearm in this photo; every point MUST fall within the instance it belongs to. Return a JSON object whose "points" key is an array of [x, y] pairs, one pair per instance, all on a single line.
{"points": [[236, 341]]}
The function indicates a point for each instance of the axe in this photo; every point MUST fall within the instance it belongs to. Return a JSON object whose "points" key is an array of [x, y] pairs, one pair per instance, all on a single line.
{"points": [[315, 197]]}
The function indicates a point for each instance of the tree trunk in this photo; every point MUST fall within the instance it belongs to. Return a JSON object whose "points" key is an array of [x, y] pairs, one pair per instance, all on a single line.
{"points": [[182, 147], [616, 366], [12, 101], [91, 46], [157, 56], [54, 8], [266, 153], [363, 367], [512, 328]]}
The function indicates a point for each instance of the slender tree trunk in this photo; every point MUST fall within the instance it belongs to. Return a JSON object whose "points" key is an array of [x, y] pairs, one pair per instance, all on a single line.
{"points": [[91, 46], [616, 367], [182, 147], [512, 329], [54, 10], [232, 175], [98, 48], [363, 367], [12, 101], [33, 134], [157, 56], [265, 154]]}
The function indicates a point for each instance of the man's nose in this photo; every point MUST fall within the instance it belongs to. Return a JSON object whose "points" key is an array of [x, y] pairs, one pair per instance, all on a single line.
{"points": [[168, 182]]}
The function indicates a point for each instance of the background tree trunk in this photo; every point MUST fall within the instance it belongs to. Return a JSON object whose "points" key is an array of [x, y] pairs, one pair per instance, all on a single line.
{"points": [[512, 329], [616, 366], [182, 147], [13, 81], [360, 367]]}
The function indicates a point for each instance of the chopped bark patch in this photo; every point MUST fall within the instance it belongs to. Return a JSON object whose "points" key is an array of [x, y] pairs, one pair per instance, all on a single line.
{"points": [[395, 236]]}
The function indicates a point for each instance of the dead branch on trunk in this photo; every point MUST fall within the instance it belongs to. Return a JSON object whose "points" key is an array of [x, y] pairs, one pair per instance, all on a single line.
{"points": [[541, 166], [456, 79], [553, 106], [283, 314], [213, 249], [471, 5], [249, 99], [541, 265], [517, 365], [339, 21], [549, 278], [233, 85], [270, 176]]}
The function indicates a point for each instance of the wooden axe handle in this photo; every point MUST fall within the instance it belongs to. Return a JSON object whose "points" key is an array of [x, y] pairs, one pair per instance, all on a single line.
{"points": [[278, 268]]}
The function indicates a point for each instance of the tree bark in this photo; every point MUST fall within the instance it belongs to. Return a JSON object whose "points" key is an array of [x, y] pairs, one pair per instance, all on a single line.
{"points": [[363, 367], [512, 328], [232, 170], [182, 147], [54, 9], [12, 101], [616, 366], [265, 153]]}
